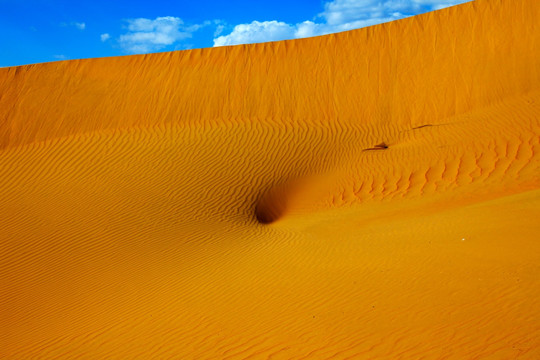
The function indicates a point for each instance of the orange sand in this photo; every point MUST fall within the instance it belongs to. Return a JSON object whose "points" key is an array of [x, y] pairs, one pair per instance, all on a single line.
{"points": [[394, 170]]}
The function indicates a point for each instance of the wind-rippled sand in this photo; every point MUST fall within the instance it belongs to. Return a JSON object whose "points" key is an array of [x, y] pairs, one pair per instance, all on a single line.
{"points": [[373, 194]]}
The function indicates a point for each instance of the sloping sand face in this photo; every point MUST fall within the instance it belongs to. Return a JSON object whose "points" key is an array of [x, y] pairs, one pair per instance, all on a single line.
{"points": [[373, 194]]}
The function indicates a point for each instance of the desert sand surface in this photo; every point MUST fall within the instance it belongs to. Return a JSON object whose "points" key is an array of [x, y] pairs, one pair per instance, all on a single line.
{"points": [[372, 194]]}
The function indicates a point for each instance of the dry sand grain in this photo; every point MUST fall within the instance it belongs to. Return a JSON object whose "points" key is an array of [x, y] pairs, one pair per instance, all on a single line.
{"points": [[373, 194]]}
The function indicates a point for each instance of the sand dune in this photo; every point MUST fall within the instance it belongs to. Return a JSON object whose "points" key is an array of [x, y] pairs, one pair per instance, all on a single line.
{"points": [[373, 194]]}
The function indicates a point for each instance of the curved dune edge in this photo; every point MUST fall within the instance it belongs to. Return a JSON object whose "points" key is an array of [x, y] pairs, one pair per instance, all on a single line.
{"points": [[372, 194]]}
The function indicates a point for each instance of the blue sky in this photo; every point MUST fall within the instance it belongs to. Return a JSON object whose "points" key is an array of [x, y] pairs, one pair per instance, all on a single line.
{"points": [[35, 31]]}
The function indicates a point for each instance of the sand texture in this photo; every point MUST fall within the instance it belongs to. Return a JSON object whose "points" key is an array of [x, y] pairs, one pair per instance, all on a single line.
{"points": [[372, 194]]}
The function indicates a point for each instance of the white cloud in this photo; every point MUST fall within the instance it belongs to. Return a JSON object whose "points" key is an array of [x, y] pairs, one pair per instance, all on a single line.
{"points": [[257, 32], [440, 3], [60, 57], [78, 25], [338, 15], [105, 37], [219, 30], [145, 35]]}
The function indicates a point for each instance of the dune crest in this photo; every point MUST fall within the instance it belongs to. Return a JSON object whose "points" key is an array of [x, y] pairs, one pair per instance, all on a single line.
{"points": [[372, 194]]}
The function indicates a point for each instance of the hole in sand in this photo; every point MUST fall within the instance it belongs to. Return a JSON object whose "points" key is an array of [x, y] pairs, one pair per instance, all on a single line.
{"points": [[272, 204], [265, 216]]}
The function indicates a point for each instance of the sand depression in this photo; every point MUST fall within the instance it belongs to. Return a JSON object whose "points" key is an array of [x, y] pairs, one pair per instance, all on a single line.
{"points": [[372, 194]]}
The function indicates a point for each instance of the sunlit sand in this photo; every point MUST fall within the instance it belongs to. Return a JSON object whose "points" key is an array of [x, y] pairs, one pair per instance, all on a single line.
{"points": [[372, 194]]}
